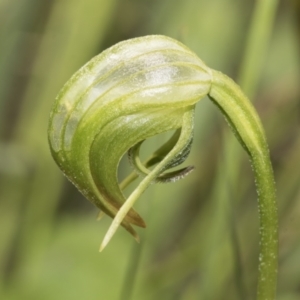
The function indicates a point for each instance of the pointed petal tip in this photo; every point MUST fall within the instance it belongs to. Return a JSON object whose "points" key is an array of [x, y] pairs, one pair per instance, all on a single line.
{"points": [[142, 224], [108, 237], [137, 238], [100, 215], [134, 218], [101, 247]]}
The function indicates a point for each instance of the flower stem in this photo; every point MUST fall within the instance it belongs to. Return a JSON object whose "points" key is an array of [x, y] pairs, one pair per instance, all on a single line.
{"points": [[246, 125], [268, 229]]}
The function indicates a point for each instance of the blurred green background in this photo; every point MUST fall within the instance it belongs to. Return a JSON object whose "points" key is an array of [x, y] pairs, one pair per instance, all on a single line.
{"points": [[201, 240]]}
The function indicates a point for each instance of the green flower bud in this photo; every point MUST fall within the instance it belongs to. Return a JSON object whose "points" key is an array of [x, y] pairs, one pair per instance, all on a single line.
{"points": [[135, 90], [115, 101]]}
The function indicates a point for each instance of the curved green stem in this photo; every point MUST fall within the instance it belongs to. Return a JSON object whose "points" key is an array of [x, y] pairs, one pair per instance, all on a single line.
{"points": [[252, 64], [248, 129]]}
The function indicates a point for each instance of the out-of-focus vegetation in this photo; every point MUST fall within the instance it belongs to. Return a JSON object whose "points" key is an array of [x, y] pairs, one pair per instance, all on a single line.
{"points": [[202, 236]]}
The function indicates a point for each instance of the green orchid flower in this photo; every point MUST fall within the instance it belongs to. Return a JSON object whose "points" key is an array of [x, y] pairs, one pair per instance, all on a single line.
{"points": [[135, 90]]}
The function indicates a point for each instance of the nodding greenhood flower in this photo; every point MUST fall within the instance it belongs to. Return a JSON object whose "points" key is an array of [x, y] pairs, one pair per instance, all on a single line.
{"points": [[130, 92]]}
